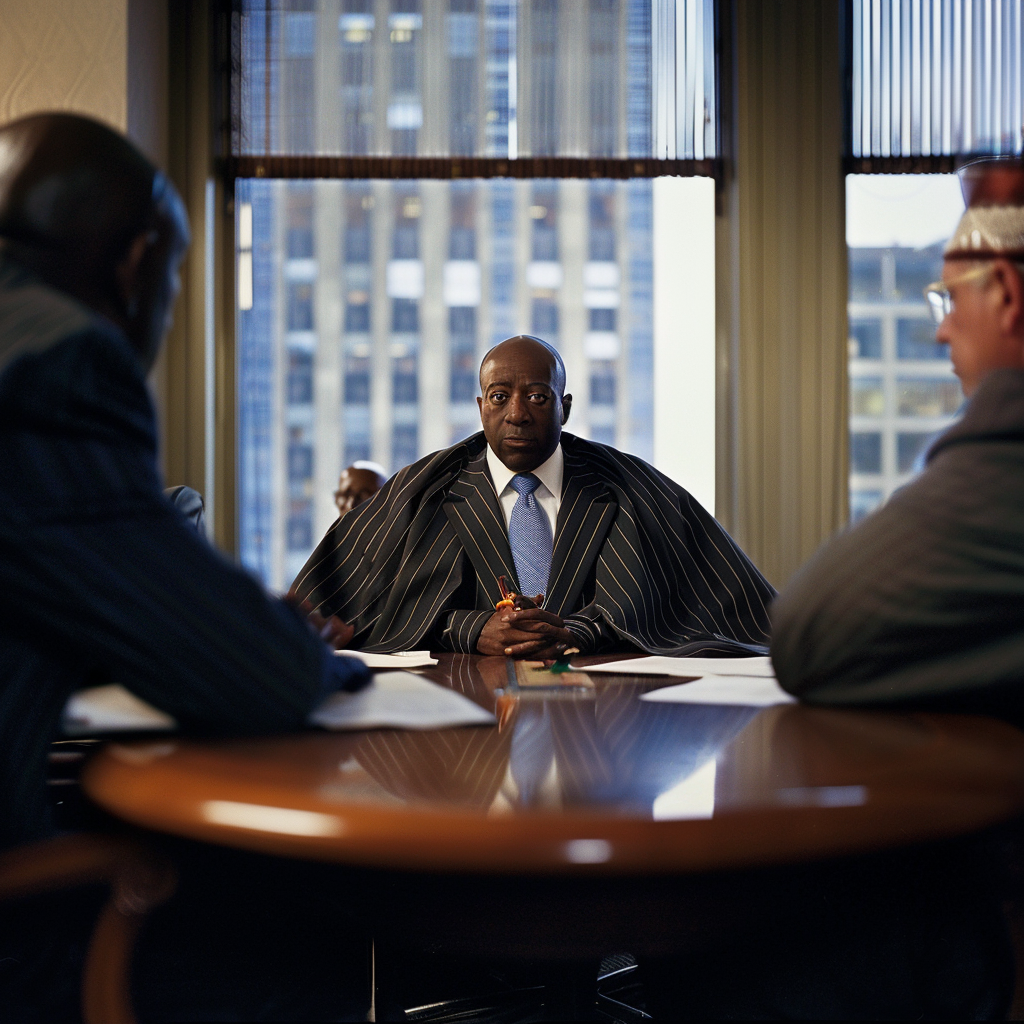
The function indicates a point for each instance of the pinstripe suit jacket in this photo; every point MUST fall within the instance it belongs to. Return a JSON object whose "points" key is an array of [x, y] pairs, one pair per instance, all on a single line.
{"points": [[100, 578], [637, 562]]}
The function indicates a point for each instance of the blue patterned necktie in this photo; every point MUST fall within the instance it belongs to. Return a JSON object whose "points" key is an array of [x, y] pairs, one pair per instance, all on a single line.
{"points": [[529, 535]]}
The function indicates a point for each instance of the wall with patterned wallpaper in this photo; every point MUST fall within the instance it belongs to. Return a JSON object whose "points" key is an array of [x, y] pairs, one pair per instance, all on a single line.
{"points": [[65, 55]]}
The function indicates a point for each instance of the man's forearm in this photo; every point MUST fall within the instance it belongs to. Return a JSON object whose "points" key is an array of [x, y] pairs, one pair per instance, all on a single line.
{"points": [[461, 630], [592, 632]]}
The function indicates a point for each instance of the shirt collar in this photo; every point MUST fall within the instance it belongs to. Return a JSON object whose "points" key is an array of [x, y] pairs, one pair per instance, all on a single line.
{"points": [[549, 473]]}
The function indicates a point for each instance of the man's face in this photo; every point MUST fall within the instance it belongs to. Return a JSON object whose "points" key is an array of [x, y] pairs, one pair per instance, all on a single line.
{"points": [[155, 280], [975, 328], [354, 487], [157, 308], [521, 409]]}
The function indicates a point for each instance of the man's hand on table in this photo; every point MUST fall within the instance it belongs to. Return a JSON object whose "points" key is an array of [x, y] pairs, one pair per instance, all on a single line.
{"points": [[331, 630], [524, 633], [349, 674]]}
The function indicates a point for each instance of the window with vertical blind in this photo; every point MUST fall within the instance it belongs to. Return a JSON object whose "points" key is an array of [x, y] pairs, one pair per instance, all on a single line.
{"points": [[475, 78], [932, 83], [934, 78], [416, 180]]}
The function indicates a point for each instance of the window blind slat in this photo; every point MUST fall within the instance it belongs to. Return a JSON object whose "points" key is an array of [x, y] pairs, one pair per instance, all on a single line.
{"points": [[936, 78], [499, 79]]}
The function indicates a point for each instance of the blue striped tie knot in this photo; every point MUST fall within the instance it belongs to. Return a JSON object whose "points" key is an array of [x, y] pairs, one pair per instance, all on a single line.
{"points": [[529, 536]]}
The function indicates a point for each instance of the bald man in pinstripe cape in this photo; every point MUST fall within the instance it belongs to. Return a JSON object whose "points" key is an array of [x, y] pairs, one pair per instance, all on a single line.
{"points": [[625, 558]]}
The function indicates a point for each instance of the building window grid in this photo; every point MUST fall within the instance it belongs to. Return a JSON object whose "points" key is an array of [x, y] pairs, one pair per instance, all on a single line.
{"points": [[868, 490]]}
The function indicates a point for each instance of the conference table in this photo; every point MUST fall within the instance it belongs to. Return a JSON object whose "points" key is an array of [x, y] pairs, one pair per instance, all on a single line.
{"points": [[577, 818]]}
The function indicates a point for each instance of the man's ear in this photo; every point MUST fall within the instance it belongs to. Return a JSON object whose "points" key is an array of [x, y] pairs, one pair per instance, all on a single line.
{"points": [[566, 408], [127, 272], [480, 407], [1012, 283]]}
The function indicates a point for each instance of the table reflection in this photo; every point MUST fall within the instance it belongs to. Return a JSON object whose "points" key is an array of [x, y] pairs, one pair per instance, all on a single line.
{"points": [[608, 750]]}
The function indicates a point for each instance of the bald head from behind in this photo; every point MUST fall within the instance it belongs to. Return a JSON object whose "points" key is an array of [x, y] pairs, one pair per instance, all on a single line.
{"points": [[83, 209], [523, 404]]}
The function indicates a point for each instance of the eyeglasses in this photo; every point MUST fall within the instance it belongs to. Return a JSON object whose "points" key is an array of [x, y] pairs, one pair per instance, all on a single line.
{"points": [[940, 301]]}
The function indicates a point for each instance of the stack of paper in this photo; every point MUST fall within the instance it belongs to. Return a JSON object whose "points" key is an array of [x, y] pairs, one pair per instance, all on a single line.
{"points": [[402, 660], [745, 691], [658, 666], [400, 700], [111, 709], [394, 700], [746, 682]]}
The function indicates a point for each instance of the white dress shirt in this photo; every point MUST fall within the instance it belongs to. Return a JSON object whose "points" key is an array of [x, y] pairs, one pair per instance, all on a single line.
{"points": [[548, 495]]}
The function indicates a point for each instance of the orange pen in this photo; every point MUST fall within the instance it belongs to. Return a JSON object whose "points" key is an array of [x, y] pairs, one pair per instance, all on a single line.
{"points": [[510, 599], [507, 596]]}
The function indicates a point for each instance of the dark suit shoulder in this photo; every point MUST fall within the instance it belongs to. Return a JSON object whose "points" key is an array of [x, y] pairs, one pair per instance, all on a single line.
{"points": [[626, 471], [77, 431], [440, 465], [34, 316], [64, 367], [995, 413], [412, 484]]}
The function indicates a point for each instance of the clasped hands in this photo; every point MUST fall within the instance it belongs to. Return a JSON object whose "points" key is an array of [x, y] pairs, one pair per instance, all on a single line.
{"points": [[512, 632], [524, 633]]}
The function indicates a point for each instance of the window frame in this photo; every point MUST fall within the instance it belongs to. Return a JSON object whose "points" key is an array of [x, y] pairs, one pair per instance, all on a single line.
{"points": [[220, 455]]}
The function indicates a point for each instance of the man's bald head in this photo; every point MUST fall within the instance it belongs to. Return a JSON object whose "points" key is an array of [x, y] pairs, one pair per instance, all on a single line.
{"points": [[527, 344], [85, 210]]}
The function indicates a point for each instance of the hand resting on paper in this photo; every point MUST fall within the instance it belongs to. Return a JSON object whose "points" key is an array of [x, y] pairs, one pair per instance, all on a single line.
{"points": [[524, 633], [331, 630]]}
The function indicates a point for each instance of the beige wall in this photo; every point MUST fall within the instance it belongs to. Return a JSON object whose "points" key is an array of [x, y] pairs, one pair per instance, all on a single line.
{"points": [[104, 58], [60, 55]]}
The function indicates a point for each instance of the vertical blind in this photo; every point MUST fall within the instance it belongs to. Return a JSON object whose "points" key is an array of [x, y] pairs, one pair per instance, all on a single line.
{"points": [[934, 78], [683, 79], [483, 79]]}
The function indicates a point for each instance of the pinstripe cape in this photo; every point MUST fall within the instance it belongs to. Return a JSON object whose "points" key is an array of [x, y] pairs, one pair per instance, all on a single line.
{"points": [[100, 578], [638, 563]]}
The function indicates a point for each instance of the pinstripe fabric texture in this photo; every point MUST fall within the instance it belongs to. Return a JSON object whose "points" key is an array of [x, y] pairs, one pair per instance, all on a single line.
{"points": [[100, 578], [922, 602], [637, 562]]}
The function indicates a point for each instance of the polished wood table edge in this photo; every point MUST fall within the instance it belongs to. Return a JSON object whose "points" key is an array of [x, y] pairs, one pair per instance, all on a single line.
{"points": [[538, 842], [908, 777]]}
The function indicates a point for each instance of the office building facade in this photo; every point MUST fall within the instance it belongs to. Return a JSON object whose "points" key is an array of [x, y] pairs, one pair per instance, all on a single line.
{"points": [[903, 391]]}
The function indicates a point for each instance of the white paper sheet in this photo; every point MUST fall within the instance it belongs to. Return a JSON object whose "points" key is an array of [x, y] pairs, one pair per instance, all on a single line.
{"points": [[111, 709], [402, 660], [746, 691], [659, 666], [399, 700]]}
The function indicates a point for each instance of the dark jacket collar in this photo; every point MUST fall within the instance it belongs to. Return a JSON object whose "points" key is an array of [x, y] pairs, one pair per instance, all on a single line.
{"points": [[996, 412], [472, 509], [34, 315], [585, 513]]}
